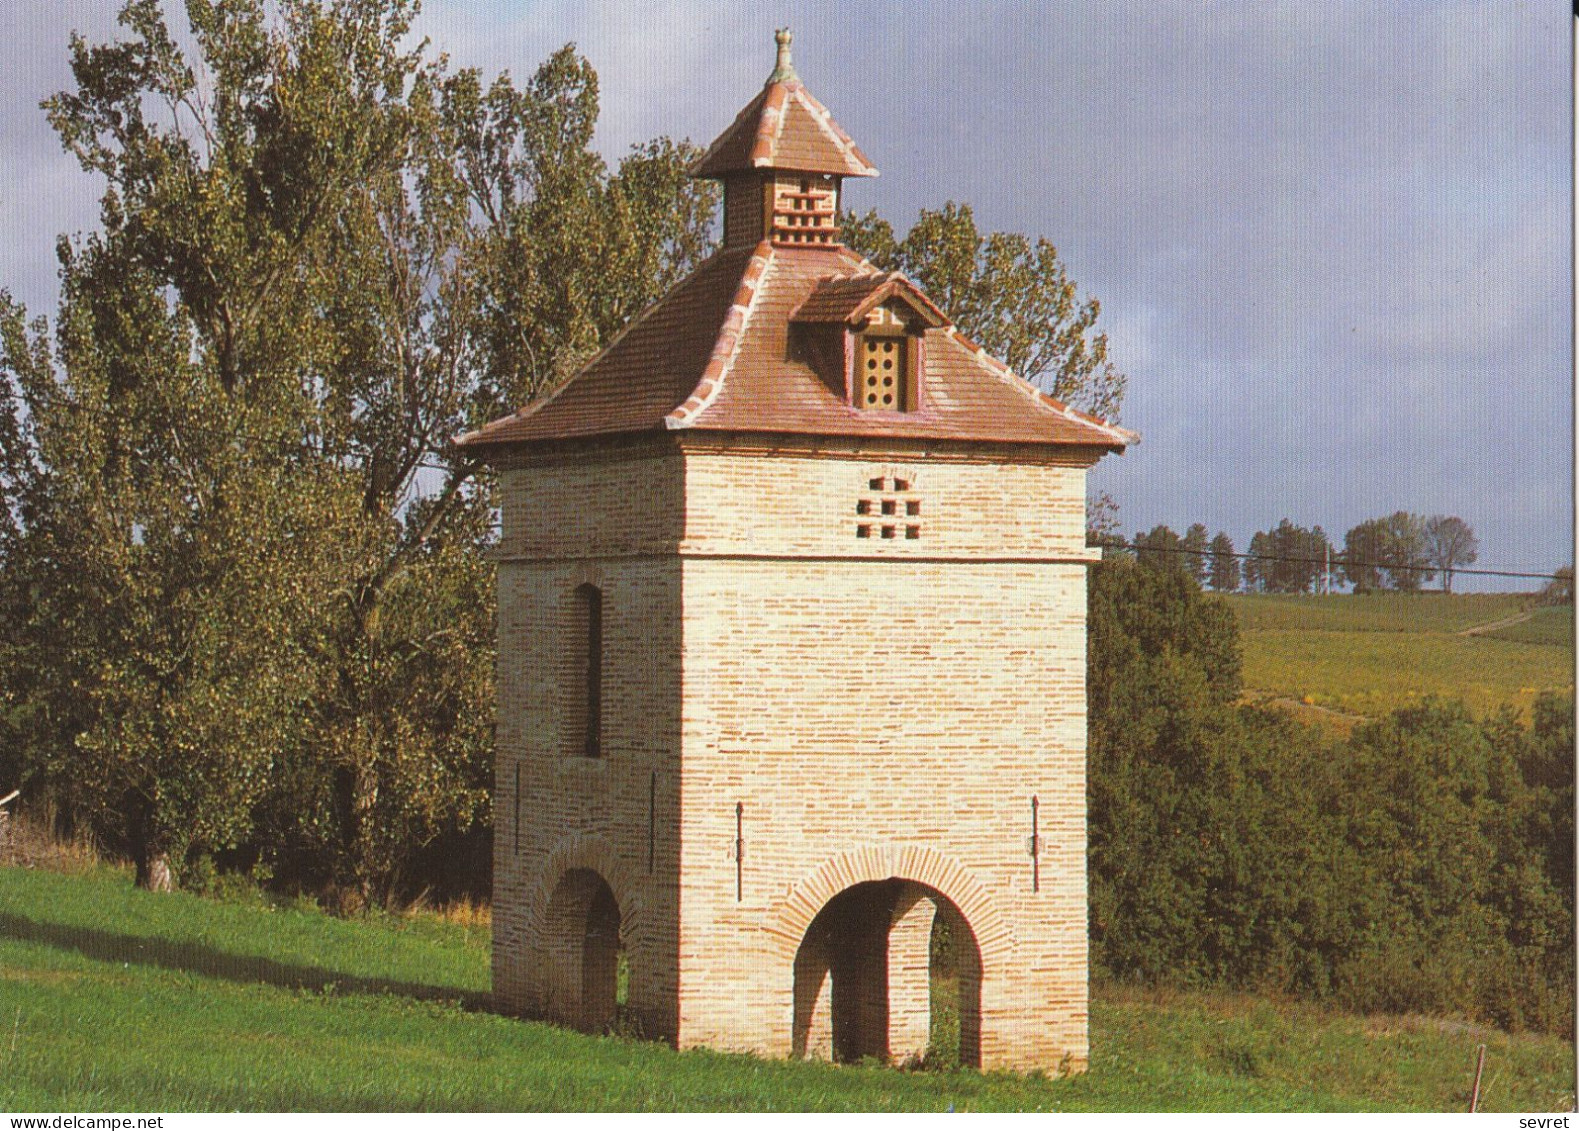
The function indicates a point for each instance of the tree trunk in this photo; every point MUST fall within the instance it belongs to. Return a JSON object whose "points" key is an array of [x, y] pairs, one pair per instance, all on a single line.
{"points": [[153, 871], [150, 851]]}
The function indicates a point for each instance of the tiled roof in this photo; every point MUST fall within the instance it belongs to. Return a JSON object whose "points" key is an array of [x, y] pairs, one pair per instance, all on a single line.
{"points": [[715, 354], [652, 366], [784, 127], [845, 298]]}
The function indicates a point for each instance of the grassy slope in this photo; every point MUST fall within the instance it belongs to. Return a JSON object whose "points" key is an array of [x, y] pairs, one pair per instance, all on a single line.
{"points": [[1370, 654], [113, 999]]}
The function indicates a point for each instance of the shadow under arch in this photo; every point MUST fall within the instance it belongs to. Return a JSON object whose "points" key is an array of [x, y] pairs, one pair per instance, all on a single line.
{"points": [[891, 970], [581, 945]]}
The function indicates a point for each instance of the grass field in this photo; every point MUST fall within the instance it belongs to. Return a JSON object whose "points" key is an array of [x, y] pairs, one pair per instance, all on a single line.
{"points": [[1367, 655], [115, 999]]}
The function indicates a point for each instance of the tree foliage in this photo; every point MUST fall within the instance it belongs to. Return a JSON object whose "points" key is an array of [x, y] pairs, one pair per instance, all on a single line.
{"points": [[1287, 558], [1195, 547], [1008, 294], [1224, 568], [1161, 548], [1450, 543], [256, 615], [1425, 865], [1388, 553]]}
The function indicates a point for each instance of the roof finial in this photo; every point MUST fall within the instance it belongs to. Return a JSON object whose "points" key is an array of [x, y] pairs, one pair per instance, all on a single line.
{"points": [[784, 71]]}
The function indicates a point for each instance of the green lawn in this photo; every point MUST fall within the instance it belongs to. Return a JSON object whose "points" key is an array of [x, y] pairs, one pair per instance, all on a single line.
{"points": [[1367, 655], [114, 999]]}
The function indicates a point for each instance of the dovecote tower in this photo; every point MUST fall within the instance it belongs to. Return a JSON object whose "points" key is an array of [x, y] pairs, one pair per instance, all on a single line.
{"points": [[792, 659]]}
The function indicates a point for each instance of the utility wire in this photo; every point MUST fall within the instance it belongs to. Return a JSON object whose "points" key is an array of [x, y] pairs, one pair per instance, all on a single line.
{"points": [[1105, 542], [1336, 560]]}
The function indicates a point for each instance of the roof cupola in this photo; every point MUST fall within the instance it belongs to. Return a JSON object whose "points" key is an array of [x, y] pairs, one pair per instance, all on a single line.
{"points": [[782, 161]]}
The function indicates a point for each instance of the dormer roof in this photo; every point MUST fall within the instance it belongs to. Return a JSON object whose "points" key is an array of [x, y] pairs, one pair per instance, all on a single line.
{"points": [[848, 299], [784, 128]]}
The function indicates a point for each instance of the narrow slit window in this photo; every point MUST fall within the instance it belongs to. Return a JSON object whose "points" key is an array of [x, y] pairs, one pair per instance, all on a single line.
{"points": [[589, 679]]}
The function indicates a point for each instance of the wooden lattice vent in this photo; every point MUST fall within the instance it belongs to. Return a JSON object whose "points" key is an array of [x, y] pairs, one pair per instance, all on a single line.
{"points": [[883, 363], [805, 211]]}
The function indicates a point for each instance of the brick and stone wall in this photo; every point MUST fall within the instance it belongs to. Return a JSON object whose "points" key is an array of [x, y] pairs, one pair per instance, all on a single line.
{"points": [[855, 709]]}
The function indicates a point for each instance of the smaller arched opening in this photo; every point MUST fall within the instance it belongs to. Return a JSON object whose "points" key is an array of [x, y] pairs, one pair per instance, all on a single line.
{"points": [[889, 970], [585, 968]]}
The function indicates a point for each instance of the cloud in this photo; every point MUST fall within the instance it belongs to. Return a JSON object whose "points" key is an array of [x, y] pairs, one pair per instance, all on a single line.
{"points": [[1331, 241]]}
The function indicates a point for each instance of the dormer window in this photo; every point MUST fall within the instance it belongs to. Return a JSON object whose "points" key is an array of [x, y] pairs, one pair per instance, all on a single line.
{"points": [[865, 335]]}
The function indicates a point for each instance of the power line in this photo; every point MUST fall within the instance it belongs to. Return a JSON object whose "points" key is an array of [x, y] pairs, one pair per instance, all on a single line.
{"points": [[1106, 542], [1337, 560]]}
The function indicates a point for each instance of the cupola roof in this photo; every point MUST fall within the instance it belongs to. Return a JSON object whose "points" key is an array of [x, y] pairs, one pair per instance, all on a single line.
{"points": [[784, 128]]}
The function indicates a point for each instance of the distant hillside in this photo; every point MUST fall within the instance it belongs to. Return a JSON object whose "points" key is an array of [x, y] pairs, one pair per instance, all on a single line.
{"points": [[1366, 655]]}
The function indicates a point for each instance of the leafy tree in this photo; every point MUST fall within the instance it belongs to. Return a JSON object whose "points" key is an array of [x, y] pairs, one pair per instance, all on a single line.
{"points": [[1195, 552], [1450, 543], [1224, 568], [1388, 552], [1560, 589], [1258, 566], [1300, 554], [1425, 865], [1287, 558], [1010, 295], [321, 255], [1364, 549], [1102, 526], [1161, 548]]}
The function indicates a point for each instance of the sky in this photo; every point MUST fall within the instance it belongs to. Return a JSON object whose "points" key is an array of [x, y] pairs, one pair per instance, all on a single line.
{"points": [[1333, 243]]}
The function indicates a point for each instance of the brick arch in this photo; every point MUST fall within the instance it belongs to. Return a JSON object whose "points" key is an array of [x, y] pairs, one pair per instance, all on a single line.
{"points": [[595, 854], [790, 919]]}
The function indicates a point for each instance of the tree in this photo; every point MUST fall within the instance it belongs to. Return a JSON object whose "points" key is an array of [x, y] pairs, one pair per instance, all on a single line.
{"points": [[1102, 526], [321, 256], [1560, 589], [1450, 542], [1300, 554], [1195, 552], [1258, 565], [1388, 552], [1224, 565], [1287, 558], [1364, 548], [1011, 296], [1161, 548]]}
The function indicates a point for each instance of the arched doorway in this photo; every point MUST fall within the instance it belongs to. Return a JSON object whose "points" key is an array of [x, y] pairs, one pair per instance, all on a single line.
{"points": [[888, 969], [584, 953]]}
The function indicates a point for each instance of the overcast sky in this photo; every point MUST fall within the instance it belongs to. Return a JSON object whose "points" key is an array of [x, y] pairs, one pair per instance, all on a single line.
{"points": [[1332, 241]]}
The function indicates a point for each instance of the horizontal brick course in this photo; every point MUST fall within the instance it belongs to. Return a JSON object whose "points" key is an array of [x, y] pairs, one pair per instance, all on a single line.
{"points": [[878, 711]]}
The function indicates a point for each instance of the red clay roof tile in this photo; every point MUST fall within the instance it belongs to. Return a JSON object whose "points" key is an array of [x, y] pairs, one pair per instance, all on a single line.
{"points": [[715, 355], [846, 298], [784, 127]]}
